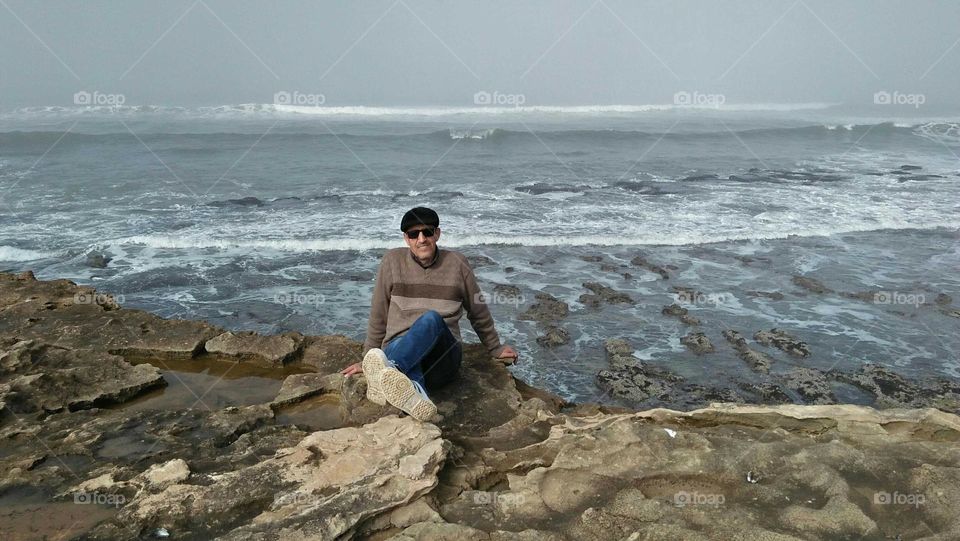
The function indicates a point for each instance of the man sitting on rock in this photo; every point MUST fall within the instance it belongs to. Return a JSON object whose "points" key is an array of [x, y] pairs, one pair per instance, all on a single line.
{"points": [[419, 297]]}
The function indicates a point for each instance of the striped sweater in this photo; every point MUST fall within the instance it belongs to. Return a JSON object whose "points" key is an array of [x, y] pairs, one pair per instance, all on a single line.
{"points": [[405, 290]]}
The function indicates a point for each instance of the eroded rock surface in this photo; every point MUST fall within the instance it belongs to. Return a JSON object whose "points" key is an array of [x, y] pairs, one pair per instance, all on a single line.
{"points": [[506, 461]]}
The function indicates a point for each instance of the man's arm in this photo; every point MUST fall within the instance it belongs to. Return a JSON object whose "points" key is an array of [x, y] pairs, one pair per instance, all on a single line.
{"points": [[379, 306], [479, 314]]}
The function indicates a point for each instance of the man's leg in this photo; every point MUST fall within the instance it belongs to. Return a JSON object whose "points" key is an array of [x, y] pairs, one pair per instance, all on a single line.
{"points": [[409, 350], [442, 364]]}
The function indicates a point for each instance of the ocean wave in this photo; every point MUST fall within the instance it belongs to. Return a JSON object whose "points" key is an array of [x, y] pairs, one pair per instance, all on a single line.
{"points": [[12, 253], [267, 109], [652, 239], [943, 131]]}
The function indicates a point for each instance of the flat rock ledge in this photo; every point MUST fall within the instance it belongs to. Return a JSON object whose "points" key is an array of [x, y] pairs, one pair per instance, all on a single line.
{"points": [[506, 461]]}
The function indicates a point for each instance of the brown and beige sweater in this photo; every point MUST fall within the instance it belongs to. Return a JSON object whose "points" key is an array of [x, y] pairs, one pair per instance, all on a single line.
{"points": [[405, 290]]}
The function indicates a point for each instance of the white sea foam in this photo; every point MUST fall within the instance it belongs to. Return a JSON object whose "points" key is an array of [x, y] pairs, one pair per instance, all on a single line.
{"points": [[672, 238], [268, 109], [10, 253]]}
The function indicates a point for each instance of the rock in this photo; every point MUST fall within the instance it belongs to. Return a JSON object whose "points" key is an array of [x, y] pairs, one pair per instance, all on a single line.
{"points": [[330, 354], [773, 295], [641, 261], [276, 349], [160, 476], [97, 260], [555, 336], [539, 188], [592, 258], [43, 378], [477, 261], [811, 384], [911, 167], [891, 390], [242, 202], [674, 310], [80, 317], [943, 299], [507, 290], [811, 284], [547, 309], [322, 488], [782, 341], [608, 294], [758, 361], [698, 343]]}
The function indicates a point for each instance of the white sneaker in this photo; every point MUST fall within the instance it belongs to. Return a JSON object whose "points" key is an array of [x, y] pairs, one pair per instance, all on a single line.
{"points": [[373, 364], [406, 394]]}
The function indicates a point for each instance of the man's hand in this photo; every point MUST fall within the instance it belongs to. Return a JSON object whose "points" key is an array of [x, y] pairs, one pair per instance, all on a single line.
{"points": [[354, 368], [509, 353]]}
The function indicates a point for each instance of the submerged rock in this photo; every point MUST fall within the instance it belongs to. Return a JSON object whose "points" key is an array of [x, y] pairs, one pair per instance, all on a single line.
{"points": [[555, 336], [783, 341], [547, 309], [698, 343]]}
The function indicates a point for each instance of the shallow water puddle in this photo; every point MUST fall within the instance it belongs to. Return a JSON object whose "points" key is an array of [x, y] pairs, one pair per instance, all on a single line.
{"points": [[25, 514], [212, 383], [319, 413]]}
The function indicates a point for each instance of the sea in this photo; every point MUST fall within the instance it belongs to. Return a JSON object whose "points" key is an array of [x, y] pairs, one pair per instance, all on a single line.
{"points": [[273, 218]]}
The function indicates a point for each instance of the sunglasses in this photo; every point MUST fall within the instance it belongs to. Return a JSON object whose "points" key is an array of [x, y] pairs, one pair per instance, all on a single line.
{"points": [[427, 232]]}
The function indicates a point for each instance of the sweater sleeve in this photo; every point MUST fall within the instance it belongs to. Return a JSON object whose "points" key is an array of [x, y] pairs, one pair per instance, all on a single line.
{"points": [[478, 313], [379, 306]]}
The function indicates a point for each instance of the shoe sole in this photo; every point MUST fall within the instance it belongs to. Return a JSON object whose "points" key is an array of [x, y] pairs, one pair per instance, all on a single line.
{"points": [[374, 362], [400, 392]]}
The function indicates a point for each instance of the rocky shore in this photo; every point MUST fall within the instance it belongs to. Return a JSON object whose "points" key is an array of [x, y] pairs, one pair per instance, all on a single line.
{"points": [[118, 424]]}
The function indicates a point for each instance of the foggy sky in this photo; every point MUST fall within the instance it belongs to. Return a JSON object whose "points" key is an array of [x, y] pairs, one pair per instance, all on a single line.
{"points": [[431, 52]]}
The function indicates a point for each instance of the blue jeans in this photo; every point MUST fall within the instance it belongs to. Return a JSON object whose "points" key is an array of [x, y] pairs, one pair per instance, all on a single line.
{"points": [[428, 353]]}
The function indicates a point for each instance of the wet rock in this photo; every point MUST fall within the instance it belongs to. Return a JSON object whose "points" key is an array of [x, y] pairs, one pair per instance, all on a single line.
{"points": [[507, 290], [698, 343], [608, 294], [629, 378], [892, 390], [97, 260], [275, 349], [641, 261], [479, 260], [555, 336], [242, 202], [675, 310], [547, 309], [757, 360], [783, 341], [911, 167], [811, 384], [943, 299], [773, 295], [811, 284], [539, 188], [592, 258], [766, 393]]}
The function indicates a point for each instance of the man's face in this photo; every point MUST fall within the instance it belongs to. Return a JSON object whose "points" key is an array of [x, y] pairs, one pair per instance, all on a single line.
{"points": [[423, 247]]}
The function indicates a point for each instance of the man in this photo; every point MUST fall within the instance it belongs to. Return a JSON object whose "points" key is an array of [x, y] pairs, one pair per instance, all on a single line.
{"points": [[420, 294]]}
